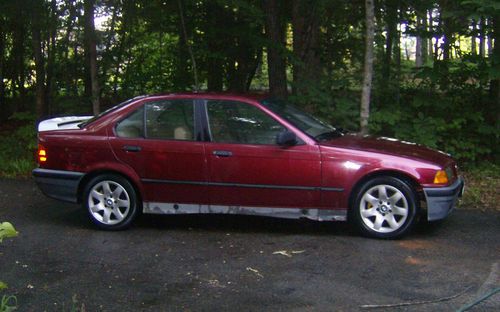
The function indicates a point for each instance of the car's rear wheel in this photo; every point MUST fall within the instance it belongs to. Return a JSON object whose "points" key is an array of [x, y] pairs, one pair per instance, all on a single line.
{"points": [[111, 202], [384, 207]]}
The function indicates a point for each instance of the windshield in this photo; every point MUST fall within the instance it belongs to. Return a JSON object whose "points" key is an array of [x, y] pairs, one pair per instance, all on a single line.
{"points": [[312, 126], [83, 124]]}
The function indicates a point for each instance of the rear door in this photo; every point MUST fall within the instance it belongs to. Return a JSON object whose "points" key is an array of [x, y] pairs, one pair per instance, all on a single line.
{"points": [[246, 166], [159, 141]]}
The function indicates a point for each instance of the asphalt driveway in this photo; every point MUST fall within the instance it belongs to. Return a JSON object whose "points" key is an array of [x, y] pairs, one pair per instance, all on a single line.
{"points": [[229, 263]]}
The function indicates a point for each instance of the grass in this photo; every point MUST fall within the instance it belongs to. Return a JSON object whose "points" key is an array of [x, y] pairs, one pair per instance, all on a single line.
{"points": [[8, 304], [482, 185], [15, 168]]}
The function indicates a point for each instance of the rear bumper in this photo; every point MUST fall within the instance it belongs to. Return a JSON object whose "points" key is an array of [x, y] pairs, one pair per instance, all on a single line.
{"points": [[441, 201], [58, 184]]}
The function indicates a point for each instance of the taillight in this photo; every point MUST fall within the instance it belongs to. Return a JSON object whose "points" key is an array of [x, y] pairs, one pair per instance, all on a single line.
{"points": [[42, 154]]}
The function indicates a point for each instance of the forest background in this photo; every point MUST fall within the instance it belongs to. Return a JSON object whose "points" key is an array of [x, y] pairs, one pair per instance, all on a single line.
{"points": [[436, 66]]}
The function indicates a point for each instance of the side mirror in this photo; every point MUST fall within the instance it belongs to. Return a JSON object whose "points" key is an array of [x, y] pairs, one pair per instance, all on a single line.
{"points": [[286, 138]]}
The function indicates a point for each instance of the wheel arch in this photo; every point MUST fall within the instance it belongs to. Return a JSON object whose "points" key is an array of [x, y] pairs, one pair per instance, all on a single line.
{"points": [[412, 181], [90, 175]]}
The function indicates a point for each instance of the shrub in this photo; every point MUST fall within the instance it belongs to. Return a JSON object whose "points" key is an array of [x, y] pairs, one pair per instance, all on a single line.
{"points": [[8, 303]]}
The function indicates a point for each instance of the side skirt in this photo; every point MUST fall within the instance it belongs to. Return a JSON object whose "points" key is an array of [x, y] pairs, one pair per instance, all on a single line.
{"points": [[287, 213]]}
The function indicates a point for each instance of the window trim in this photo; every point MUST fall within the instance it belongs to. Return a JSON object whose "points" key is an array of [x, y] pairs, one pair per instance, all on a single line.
{"points": [[143, 136], [198, 134], [208, 134]]}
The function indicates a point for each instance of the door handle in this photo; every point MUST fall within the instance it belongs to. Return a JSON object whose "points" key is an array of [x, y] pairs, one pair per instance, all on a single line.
{"points": [[131, 148], [223, 153]]}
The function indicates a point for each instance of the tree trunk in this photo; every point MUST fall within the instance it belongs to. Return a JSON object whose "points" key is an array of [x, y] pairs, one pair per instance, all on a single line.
{"points": [[243, 64], [407, 52], [92, 53], [51, 51], [482, 39], [431, 29], [494, 113], [189, 48], [18, 49], [275, 33], [473, 49], [36, 40], [306, 32], [436, 43], [447, 33], [491, 23], [123, 35], [397, 51], [368, 66], [106, 59], [216, 19], [391, 33], [425, 40], [66, 46], [256, 65], [419, 43]]}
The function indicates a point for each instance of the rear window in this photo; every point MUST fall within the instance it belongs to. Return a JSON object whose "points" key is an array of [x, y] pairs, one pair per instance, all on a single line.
{"points": [[110, 110]]}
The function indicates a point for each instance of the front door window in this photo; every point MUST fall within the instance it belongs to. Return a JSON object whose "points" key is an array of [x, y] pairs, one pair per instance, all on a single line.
{"points": [[241, 123]]}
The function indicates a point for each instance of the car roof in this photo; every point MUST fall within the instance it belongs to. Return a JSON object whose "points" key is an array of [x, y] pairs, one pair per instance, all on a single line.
{"points": [[212, 95]]}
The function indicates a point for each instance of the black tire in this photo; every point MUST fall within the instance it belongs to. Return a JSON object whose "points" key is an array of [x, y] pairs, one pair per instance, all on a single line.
{"points": [[388, 216], [111, 202]]}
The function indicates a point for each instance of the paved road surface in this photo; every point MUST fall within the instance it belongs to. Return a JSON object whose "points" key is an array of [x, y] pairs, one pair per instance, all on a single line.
{"points": [[229, 263]]}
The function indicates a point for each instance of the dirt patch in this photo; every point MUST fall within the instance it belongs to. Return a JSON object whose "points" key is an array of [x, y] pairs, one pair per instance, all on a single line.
{"points": [[416, 244], [415, 261]]}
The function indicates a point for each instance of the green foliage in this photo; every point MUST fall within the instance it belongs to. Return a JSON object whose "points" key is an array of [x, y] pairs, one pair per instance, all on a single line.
{"points": [[75, 305], [141, 49], [482, 185], [443, 109], [8, 303], [17, 149], [7, 230]]}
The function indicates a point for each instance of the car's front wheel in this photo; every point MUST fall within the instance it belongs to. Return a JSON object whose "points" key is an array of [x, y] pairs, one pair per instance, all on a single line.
{"points": [[111, 202], [384, 207]]}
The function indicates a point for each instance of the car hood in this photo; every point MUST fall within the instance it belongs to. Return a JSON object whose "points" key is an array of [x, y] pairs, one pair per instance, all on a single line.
{"points": [[62, 123], [389, 146]]}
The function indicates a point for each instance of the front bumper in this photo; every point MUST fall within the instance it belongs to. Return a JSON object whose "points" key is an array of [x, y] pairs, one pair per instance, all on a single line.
{"points": [[442, 200], [58, 184]]}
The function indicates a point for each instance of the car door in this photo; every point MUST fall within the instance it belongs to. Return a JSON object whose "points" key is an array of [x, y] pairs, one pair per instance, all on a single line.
{"points": [[247, 168], [159, 141]]}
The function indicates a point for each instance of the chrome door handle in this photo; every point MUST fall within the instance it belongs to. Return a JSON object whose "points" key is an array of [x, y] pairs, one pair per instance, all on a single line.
{"points": [[223, 153]]}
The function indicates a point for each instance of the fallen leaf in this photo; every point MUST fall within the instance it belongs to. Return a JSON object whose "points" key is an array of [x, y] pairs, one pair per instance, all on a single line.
{"points": [[7, 230], [254, 271], [283, 253], [287, 253]]}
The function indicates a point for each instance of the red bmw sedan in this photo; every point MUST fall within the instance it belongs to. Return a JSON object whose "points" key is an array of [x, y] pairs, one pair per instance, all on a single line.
{"points": [[234, 154]]}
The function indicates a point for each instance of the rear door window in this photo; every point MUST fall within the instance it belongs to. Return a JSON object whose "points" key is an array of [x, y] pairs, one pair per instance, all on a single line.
{"points": [[170, 120]]}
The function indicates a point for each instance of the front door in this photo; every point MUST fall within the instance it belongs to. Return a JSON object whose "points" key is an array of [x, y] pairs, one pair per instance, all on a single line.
{"points": [[246, 166]]}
